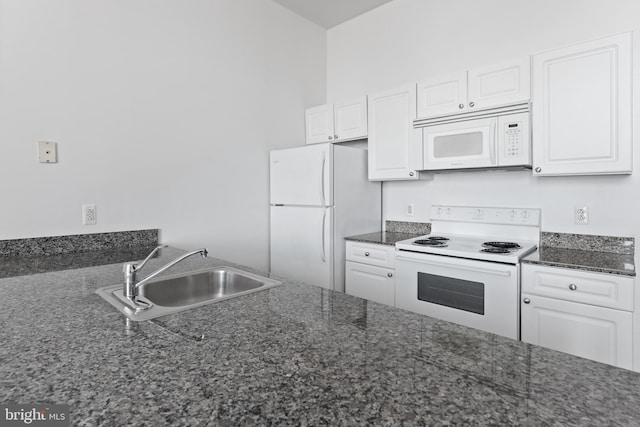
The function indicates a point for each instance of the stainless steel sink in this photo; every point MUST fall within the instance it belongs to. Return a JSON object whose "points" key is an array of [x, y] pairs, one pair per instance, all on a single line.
{"points": [[171, 294]]}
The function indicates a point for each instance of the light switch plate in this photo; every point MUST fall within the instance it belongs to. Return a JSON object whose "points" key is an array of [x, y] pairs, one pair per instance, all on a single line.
{"points": [[410, 209], [47, 152]]}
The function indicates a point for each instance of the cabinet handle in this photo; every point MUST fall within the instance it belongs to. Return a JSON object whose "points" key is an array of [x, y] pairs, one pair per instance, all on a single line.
{"points": [[461, 106], [389, 274], [366, 254], [335, 136], [472, 104], [411, 174], [573, 287], [538, 170], [330, 137], [526, 300]]}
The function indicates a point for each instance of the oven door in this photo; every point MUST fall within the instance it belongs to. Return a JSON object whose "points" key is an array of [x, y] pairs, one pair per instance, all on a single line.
{"points": [[465, 144], [478, 294]]}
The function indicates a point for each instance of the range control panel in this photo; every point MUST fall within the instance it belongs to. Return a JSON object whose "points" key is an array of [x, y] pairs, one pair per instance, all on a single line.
{"points": [[487, 215]]}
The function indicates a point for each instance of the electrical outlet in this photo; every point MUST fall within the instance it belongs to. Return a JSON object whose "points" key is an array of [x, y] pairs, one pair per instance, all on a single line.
{"points": [[89, 216], [410, 209], [582, 215]]}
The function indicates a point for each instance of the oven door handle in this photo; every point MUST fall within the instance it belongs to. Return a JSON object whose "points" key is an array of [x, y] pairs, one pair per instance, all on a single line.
{"points": [[504, 273]]}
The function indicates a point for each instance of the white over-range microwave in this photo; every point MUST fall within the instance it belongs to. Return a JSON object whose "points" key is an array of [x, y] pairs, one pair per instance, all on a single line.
{"points": [[499, 138]]}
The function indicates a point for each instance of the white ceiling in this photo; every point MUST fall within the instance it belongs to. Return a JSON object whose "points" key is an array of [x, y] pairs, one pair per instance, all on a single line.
{"points": [[329, 13]]}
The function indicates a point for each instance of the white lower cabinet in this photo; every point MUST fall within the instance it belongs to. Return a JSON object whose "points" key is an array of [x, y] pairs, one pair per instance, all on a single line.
{"points": [[581, 313], [370, 271]]}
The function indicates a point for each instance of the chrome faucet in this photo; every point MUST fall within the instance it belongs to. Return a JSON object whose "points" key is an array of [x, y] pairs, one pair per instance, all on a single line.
{"points": [[130, 269]]}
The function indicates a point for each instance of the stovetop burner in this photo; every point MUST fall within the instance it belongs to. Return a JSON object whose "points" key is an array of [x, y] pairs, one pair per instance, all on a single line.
{"points": [[496, 251], [501, 245], [441, 238], [430, 242]]}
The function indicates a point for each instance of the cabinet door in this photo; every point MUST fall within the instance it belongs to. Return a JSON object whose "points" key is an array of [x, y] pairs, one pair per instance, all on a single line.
{"points": [[582, 108], [319, 124], [370, 282], [391, 116], [499, 84], [596, 333], [442, 95], [350, 118]]}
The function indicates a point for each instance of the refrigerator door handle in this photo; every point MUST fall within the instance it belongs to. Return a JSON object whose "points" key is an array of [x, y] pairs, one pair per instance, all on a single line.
{"points": [[324, 222], [322, 198]]}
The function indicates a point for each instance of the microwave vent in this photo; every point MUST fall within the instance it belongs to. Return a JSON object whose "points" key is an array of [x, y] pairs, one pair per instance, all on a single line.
{"points": [[491, 112]]}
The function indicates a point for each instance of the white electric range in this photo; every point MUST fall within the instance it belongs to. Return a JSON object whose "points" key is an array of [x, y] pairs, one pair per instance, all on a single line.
{"points": [[467, 270]]}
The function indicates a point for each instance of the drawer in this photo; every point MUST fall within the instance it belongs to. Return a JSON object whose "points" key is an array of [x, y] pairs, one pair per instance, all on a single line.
{"points": [[372, 254], [604, 290]]}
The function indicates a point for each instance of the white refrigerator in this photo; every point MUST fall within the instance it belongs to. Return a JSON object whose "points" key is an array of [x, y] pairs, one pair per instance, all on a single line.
{"points": [[319, 194]]}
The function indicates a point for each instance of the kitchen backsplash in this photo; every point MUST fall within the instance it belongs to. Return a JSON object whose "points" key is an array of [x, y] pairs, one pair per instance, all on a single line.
{"points": [[56, 245], [408, 227], [588, 242]]}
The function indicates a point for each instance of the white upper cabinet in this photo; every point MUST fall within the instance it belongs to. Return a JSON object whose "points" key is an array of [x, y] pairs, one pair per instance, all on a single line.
{"points": [[350, 119], [499, 84], [342, 121], [582, 106], [391, 115], [319, 124], [442, 95], [476, 89]]}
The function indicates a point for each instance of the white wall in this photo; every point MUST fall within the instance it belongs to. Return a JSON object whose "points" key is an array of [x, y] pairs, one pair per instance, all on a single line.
{"points": [[164, 112], [408, 40]]}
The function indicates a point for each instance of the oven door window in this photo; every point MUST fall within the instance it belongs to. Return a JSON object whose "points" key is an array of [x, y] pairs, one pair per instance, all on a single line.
{"points": [[451, 292]]}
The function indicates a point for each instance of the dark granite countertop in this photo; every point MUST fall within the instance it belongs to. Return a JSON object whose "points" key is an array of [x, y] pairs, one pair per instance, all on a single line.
{"points": [[578, 259], [23, 265], [381, 237], [290, 355]]}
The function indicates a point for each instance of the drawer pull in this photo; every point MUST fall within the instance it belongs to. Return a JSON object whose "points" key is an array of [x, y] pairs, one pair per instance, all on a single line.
{"points": [[366, 254], [389, 274], [573, 287], [526, 300]]}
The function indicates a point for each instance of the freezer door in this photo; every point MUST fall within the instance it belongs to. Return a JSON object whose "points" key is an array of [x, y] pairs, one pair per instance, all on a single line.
{"points": [[301, 247], [302, 176]]}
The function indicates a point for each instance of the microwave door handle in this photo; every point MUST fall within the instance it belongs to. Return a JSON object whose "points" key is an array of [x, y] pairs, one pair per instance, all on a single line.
{"points": [[493, 150]]}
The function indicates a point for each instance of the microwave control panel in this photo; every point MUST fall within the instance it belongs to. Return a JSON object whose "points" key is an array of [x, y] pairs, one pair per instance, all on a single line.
{"points": [[514, 140]]}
